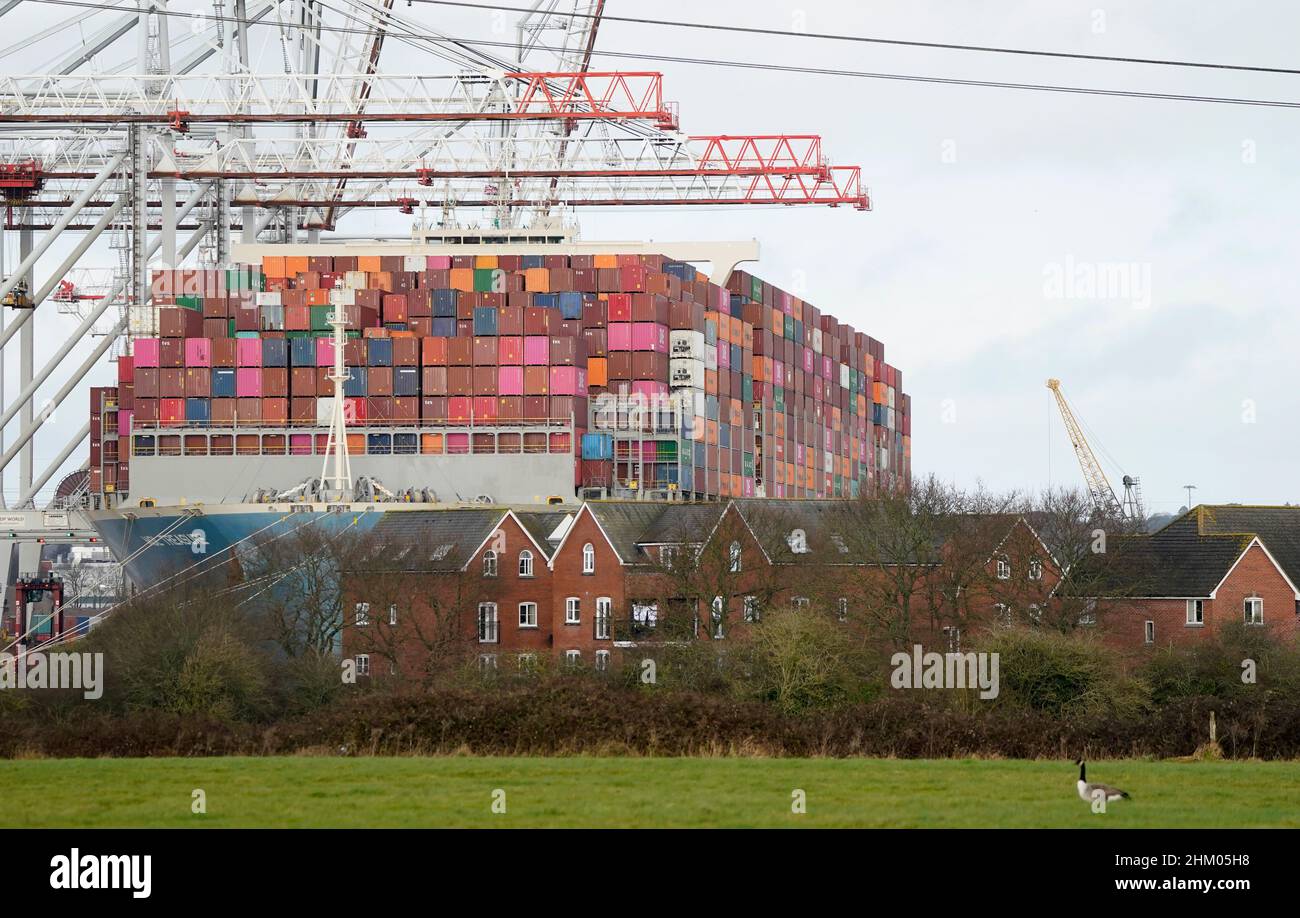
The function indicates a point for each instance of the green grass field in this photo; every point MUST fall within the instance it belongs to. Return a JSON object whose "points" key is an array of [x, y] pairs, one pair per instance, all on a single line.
{"points": [[614, 792]]}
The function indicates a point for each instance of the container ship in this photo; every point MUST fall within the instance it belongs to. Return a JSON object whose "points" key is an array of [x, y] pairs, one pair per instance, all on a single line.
{"points": [[527, 374]]}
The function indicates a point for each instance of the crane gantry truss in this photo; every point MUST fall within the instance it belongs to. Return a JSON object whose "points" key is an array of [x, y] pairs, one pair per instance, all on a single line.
{"points": [[170, 149]]}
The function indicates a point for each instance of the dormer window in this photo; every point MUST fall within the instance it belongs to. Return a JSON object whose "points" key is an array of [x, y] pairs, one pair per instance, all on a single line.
{"points": [[489, 563], [589, 558], [525, 563], [1035, 569], [1004, 569], [734, 555]]}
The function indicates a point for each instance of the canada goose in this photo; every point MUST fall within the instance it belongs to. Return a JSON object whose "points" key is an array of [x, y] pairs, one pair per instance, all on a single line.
{"points": [[1089, 792]]}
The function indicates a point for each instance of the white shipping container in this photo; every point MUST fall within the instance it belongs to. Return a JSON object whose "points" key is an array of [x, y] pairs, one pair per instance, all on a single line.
{"points": [[355, 280], [686, 343], [269, 298], [686, 371], [817, 340], [844, 376], [710, 358], [343, 296], [413, 263], [324, 410], [890, 391]]}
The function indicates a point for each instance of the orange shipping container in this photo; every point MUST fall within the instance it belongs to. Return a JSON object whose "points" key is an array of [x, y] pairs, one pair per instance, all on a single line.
{"points": [[597, 371], [606, 261], [462, 279], [368, 263], [295, 265], [431, 444], [273, 265], [537, 280], [485, 261]]}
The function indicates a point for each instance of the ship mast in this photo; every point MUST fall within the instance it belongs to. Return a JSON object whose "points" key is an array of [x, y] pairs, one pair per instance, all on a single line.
{"points": [[337, 486]]}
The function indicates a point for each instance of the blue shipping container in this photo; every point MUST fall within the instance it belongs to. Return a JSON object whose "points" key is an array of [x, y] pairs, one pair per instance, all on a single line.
{"points": [[444, 328], [406, 381], [198, 409], [405, 444], [444, 304], [275, 352], [379, 444], [485, 320], [302, 352], [571, 305], [597, 446], [355, 385], [223, 383], [379, 352]]}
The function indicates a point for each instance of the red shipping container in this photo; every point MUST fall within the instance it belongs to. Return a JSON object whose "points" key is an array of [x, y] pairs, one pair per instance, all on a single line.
{"points": [[406, 352], [536, 407], [171, 352], [302, 382], [485, 352], [379, 409], [433, 408], [485, 409], [146, 411], [178, 322], [485, 380], [171, 382], [198, 382], [223, 412], [510, 350], [434, 381], [620, 307], [510, 320], [146, 382], [406, 410], [302, 411], [171, 412], [433, 351], [379, 381], [275, 383], [536, 380], [248, 411], [458, 409], [275, 411], [460, 351], [510, 408]]}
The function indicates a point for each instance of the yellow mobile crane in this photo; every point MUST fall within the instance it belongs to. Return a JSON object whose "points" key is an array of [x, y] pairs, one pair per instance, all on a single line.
{"points": [[1099, 489]]}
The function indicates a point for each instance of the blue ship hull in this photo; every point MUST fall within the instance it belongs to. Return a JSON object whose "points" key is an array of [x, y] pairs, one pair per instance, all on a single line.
{"points": [[154, 545]]}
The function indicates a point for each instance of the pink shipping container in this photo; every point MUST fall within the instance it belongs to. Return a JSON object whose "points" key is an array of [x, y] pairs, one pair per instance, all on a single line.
{"points": [[124, 423], [582, 381], [485, 409], [619, 337], [564, 380], [198, 352], [649, 336], [808, 356], [537, 350], [248, 382], [724, 355], [457, 442], [248, 352], [437, 263], [458, 408], [324, 352], [510, 381], [300, 444], [649, 389], [146, 352]]}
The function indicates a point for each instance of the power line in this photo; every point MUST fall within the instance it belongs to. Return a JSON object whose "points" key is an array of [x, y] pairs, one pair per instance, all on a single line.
{"points": [[865, 39], [754, 65]]}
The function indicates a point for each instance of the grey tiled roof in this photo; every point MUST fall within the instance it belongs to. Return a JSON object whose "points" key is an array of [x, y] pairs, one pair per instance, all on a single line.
{"points": [[430, 540], [625, 523], [541, 523], [1277, 527]]}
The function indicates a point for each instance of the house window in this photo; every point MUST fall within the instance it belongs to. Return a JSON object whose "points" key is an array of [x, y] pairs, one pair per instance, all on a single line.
{"points": [[488, 629], [572, 657], [734, 554], [1150, 632], [602, 660], [1004, 569], [589, 558], [717, 607], [487, 662], [1254, 610], [363, 664], [953, 637], [572, 611], [645, 615], [842, 609], [525, 563], [363, 614], [604, 607], [1035, 569], [799, 602], [392, 614], [1003, 612], [667, 554], [752, 612], [1196, 611], [489, 563], [1089, 614], [528, 615]]}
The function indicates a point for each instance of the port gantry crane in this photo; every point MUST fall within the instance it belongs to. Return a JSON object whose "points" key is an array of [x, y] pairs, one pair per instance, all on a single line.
{"points": [[158, 133], [1100, 492]]}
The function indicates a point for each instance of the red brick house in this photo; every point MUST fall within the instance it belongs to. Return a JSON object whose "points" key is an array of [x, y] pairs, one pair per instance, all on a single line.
{"points": [[1211, 566]]}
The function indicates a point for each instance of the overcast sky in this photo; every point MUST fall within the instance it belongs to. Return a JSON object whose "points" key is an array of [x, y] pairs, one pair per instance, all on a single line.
{"points": [[992, 208]]}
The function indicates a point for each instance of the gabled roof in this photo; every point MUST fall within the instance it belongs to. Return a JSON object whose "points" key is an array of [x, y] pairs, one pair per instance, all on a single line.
{"points": [[1193, 554], [682, 523], [430, 540], [539, 524], [624, 523]]}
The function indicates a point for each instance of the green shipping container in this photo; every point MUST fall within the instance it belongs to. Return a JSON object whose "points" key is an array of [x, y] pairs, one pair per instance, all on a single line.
{"points": [[485, 280], [190, 302], [666, 450], [789, 328], [320, 318], [230, 328], [756, 290], [747, 389]]}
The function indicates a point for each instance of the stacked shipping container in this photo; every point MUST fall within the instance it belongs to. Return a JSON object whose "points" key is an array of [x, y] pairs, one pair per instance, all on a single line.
{"points": [[767, 395]]}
